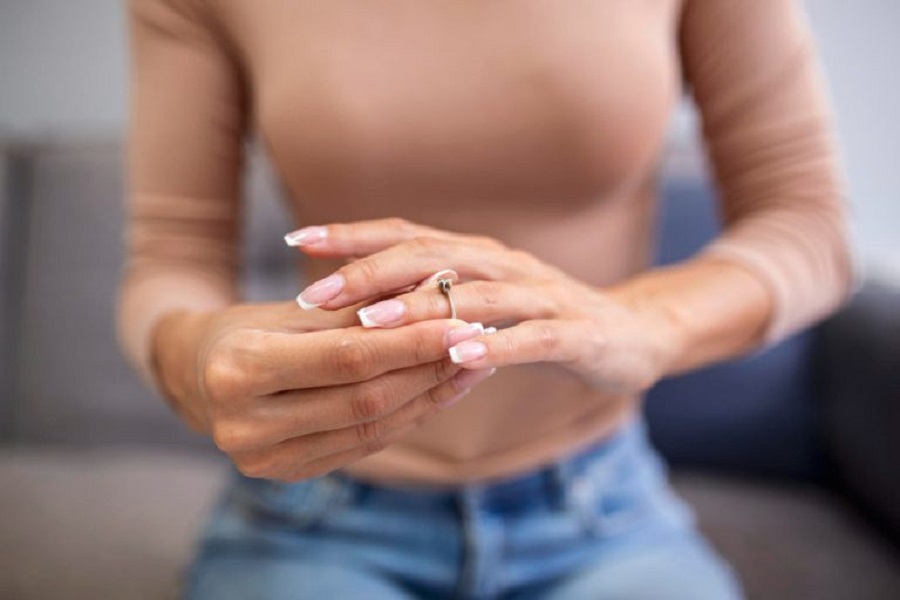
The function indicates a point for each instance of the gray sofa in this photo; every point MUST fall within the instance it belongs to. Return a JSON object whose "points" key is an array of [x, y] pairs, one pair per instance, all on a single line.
{"points": [[102, 490]]}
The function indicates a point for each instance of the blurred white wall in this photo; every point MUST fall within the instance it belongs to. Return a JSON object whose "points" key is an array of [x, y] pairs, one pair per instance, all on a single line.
{"points": [[62, 66], [63, 69], [860, 47]]}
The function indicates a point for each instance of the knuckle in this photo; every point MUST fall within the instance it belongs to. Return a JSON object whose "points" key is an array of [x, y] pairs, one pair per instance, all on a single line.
{"points": [[423, 346], [550, 298], [362, 272], [547, 339], [368, 403], [375, 446], [234, 364], [352, 359], [426, 245], [232, 436], [223, 378], [255, 467], [400, 225], [247, 348], [435, 398], [442, 370], [487, 292], [371, 434], [518, 255], [522, 259], [489, 242]]}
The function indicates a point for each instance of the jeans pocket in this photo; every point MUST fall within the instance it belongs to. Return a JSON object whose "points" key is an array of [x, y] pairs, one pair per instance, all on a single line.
{"points": [[301, 505]]}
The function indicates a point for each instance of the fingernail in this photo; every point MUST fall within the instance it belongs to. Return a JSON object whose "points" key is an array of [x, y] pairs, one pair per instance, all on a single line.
{"points": [[463, 333], [469, 378], [456, 398], [381, 313], [467, 352], [321, 291], [306, 236], [490, 330]]}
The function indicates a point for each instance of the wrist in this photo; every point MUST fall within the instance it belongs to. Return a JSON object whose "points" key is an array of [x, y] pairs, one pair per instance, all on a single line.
{"points": [[699, 312], [173, 357], [665, 334]]}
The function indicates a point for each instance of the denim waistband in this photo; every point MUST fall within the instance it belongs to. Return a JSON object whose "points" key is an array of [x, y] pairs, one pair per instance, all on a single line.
{"points": [[546, 486]]}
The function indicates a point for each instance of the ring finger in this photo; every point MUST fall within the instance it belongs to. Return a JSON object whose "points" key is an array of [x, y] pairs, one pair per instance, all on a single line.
{"points": [[475, 301]]}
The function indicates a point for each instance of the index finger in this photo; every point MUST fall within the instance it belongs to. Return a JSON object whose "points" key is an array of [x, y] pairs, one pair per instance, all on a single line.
{"points": [[361, 238], [341, 356]]}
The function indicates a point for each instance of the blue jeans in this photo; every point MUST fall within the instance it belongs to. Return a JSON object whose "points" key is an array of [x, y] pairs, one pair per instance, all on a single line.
{"points": [[600, 524]]}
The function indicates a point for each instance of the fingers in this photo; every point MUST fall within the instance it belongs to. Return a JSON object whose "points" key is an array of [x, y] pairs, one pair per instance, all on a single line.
{"points": [[528, 342], [476, 301], [356, 239], [407, 264], [276, 362], [302, 412], [284, 316], [317, 453]]}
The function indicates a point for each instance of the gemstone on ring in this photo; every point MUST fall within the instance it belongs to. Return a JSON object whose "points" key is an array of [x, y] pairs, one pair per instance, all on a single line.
{"points": [[444, 286]]}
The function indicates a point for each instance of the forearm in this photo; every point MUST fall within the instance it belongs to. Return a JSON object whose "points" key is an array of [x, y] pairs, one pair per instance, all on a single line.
{"points": [[147, 300], [703, 310]]}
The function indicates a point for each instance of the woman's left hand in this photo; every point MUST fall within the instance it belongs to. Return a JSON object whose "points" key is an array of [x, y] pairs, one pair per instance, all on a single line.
{"points": [[547, 315]]}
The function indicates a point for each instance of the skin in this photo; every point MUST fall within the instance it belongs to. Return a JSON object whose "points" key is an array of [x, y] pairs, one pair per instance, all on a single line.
{"points": [[291, 394], [620, 340], [288, 406]]}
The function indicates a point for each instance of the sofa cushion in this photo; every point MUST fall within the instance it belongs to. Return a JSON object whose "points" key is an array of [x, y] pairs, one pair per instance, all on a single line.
{"points": [[793, 541], [859, 351], [100, 524], [73, 385], [7, 282]]}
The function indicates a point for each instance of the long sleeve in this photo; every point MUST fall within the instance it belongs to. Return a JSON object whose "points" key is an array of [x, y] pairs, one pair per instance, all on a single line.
{"points": [[753, 72], [184, 167]]}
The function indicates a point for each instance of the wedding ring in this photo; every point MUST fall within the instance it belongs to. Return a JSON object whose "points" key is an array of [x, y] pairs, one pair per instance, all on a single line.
{"points": [[444, 286]]}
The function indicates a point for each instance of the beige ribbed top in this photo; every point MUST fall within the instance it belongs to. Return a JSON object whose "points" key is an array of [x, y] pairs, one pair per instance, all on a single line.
{"points": [[537, 122]]}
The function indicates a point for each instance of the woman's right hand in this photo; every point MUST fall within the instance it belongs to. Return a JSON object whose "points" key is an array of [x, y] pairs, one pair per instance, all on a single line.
{"points": [[291, 395]]}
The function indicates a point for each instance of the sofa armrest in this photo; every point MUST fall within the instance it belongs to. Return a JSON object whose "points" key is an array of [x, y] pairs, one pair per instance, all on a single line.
{"points": [[857, 366]]}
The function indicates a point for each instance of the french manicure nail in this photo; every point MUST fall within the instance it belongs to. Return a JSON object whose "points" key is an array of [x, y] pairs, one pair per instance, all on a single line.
{"points": [[490, 330], [381, 313], [321, 291], [467, 352], [469, 378], [306, 236], [463, 333]]}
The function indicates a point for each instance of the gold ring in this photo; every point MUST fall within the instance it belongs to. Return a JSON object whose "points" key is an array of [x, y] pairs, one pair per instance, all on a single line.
{"points": [[444, 286]]}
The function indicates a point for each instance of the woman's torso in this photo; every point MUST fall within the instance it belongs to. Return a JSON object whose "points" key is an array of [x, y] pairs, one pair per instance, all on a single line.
{"points": [[533, 121]]}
